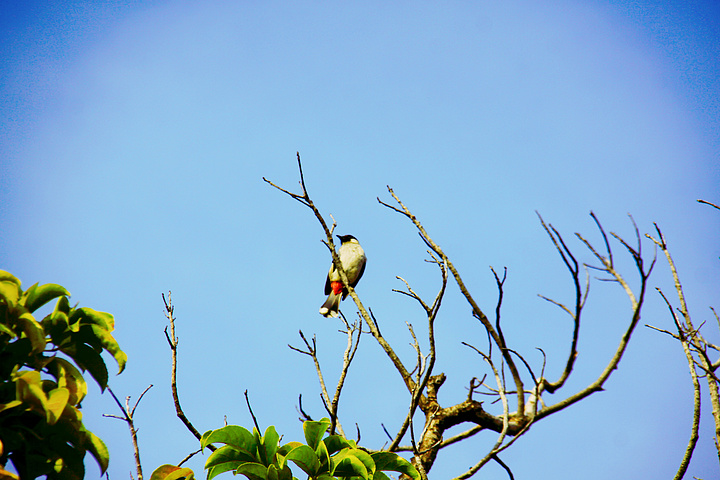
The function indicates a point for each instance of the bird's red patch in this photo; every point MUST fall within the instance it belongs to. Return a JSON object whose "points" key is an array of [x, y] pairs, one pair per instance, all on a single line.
{"points": [[336, 287]]}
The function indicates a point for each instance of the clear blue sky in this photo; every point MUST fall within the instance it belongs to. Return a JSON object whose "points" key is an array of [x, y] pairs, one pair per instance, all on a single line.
{"points": [[133, 139]]}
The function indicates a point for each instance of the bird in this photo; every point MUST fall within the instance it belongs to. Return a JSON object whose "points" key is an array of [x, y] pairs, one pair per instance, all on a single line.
{"points": [[352, 258]]}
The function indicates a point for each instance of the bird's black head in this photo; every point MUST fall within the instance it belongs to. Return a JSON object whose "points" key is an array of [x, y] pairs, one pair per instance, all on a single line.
{"points": [[346, 238]]}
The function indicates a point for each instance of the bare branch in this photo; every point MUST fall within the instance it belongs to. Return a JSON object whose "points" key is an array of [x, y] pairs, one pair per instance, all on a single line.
{"points": [[708, 203], [573, 267], [424, 373], [173, 342], [312, 352], [636, 303], [505, 467], [690, 338], [348, 356], [255, 422], [500, 283], [189, 456], [480, 315], [303, 415], [696, 410], [304, 198], [128, 417]]}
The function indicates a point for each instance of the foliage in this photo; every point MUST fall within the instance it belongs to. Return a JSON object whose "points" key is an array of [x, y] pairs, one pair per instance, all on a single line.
{"points": [[41, 428], [262, 458]]}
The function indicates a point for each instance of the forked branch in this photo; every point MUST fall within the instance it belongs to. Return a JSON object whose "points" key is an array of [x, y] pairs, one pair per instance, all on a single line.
{"points": [[692, 341], [607, 266], [128, 416], [478, 313]]}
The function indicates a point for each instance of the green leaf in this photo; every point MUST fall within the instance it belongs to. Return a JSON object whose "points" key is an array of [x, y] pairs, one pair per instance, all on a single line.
{"points": [[181, 474], [380, 476], [56, 325], [270, 441], [272, 473], [395, 463], [283, 451], [9, 288], [288, 447], [99, 450], [257, 439], [33, 331], [229, 455], [9, 277], [285, 473], [28, 388], [56, 401], [171, 472], [323, 456], [9, 405], [7, 331], [88, 359], [362, 456], [88, 316], [68, 377], [37, 296], [314, 431], [253, 471], [305, 458], [62, 305], [232, 435], [335, 443], [99, 336], [218, 469], [353, 462]]}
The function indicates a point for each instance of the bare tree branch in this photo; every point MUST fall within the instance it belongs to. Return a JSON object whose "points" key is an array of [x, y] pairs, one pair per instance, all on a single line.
{"points": [[348, 356], [128, 417], [636, 303], [254, 419], [304, 198], [572, 265], [423, 376], [691, 339], [189, 456], [423, 383], [173, 342], [708, 203], [312, 352], [463, 289], [685, 463]]}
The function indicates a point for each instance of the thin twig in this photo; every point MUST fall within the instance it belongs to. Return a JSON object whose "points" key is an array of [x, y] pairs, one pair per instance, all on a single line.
{"points": [[128, 417], [189, 456], [690, 338], [636, 303], [255, 422], [708, 203], [403, 210], [173, 343]]}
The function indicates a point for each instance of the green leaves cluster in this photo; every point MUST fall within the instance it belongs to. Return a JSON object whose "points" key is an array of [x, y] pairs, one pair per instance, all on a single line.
{"points": [[262, 458], [41, 428]]}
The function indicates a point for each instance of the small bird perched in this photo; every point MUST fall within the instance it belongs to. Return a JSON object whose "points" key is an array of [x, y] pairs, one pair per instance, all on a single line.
{"points": [[352, 258]]}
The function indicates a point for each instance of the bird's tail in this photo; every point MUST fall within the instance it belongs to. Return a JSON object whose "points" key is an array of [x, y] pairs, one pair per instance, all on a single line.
{"points": [[331, 306]]}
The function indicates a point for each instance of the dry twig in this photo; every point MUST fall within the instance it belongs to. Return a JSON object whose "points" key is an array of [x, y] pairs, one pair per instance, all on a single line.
{"points": [[173, 343], [128, 417]]}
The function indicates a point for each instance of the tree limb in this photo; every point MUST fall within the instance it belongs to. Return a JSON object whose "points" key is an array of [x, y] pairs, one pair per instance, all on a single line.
{"points": [[173, 342]]}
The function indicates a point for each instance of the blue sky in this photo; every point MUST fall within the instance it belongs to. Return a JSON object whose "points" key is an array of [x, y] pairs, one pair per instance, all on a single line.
{"points": [[133, 141]]}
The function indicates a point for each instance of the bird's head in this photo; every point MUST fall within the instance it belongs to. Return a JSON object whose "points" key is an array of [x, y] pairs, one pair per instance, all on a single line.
{"points": [[347, 239]]}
